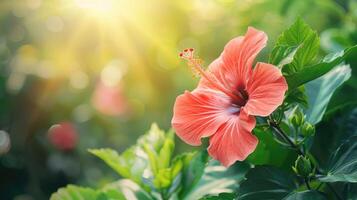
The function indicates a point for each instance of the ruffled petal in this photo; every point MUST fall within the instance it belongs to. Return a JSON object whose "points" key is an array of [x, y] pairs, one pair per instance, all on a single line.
{"points": [[233, 68], [266, 89], [199, 114], [233, 140]]}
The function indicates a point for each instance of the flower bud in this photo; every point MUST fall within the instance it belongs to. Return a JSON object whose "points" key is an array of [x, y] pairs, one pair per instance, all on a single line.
{"points": [[303, 166], [308, 130], [297, 119]]}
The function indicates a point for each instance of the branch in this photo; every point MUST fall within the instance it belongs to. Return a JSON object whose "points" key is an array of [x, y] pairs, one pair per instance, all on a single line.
{"points": [[275, 126]]}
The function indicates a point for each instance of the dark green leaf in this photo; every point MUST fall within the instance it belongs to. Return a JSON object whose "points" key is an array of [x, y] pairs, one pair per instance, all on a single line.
{"points": [[194, 168], [320, 91], [343, 163], [268, 151], [264, 182], [305, 195], [221, 196], [312, 72]]}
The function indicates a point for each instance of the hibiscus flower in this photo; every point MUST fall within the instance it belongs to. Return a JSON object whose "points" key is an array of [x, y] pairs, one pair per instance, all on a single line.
{"points": [[230, 93]]}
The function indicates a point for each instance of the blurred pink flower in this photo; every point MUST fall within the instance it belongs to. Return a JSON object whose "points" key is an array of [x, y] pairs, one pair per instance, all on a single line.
{"points": [[63, 136], [109, 100], [229, 95]]}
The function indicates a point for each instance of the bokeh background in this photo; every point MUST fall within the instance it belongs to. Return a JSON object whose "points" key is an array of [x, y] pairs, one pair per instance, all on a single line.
{"points": [[79, 74]]}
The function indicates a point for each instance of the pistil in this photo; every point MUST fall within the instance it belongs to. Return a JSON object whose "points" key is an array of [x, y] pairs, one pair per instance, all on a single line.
{"points": [[195, 63]]}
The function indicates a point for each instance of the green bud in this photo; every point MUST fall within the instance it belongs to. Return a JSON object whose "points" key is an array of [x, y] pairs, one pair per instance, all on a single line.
{"points": [[297, 119], [308, 130], [303, 166]]}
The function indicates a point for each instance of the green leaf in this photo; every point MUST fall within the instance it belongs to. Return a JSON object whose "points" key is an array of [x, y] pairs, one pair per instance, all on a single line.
{"points": [[298, 35], [312, 72], [282, 55], [343, 163], [194, 166], [218, 179], [131, 164], [296, 95], [305, 195], [129, 189], [72, 192], [264, 182], [221, 196], [320, 91], [268, 151]]}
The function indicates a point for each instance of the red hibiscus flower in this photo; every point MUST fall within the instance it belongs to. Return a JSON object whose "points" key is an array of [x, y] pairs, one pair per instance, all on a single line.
{"points": [[228, 96]]}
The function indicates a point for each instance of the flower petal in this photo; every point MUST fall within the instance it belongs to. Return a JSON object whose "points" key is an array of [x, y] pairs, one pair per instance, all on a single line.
{"points": [[239, 53], [234, 140], [199, 114], [234, 66], [266, 89]]}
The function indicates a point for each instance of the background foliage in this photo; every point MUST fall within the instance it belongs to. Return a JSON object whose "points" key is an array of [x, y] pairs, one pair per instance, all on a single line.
{"points": [[60, 60]]}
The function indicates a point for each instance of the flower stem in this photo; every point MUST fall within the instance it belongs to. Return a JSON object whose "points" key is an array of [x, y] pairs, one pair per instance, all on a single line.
{"points": [[275, 126], [307, 183]]}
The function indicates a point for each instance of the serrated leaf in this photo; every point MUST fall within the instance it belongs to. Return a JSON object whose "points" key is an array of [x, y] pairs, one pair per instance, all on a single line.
{"points": [[282, 55], [343, 163], [265, 182], [314, 71], [306, 195], [298, 35], [320, 91]]}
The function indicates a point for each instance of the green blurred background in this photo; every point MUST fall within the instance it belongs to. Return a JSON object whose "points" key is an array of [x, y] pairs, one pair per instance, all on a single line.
{"points": [[99, 72]]}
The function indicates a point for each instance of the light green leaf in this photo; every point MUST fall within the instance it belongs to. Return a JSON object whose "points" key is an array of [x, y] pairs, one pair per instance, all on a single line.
{"points": [[129, 189], [264, 182], [306, 195], [312, 72], [320, 91], [218, 179], [343, 163], [72, 192], [131, 164]]}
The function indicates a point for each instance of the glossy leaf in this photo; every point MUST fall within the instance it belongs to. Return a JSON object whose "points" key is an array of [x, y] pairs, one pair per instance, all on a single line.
{"points": [[306, 195], [312, 72], [129, 189], [343, 163], [195, 164], [221, 196], [218, 179], [320, 91], [264, 182]]}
